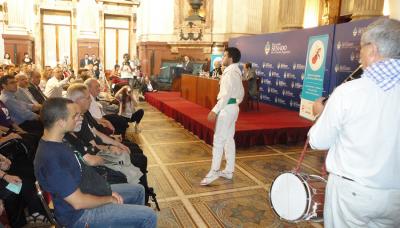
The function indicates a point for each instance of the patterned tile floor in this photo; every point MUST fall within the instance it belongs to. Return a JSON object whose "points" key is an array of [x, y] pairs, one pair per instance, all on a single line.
{"points": [[178, 160]]}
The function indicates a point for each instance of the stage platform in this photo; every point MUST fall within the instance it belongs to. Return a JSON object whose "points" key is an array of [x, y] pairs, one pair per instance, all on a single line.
{"points": [[267, 126]]}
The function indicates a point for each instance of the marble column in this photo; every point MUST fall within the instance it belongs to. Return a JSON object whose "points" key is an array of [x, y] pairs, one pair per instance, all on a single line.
{"points": [[16, 17], [363, 9], [88, 17], [394, 9], [291, 14]]}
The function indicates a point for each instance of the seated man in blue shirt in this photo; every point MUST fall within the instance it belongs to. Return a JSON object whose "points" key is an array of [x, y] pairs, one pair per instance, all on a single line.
{"points": [[59, 172], [21, 113]]}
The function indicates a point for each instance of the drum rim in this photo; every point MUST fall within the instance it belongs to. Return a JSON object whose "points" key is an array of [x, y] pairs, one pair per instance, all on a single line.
{"points": [[301, 218]]}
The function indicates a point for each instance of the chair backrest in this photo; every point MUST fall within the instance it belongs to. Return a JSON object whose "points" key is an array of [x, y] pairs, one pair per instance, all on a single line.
{"points": [[258, 84], [50, 213]]}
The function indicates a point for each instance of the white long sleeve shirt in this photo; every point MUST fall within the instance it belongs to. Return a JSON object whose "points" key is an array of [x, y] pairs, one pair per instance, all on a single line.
{"points": [[360, 126], [231, 86], [54, 87], [95, 108]]}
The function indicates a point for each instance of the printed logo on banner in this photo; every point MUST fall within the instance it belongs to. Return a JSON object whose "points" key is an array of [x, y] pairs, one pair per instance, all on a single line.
{"points": [[267, 48], [280, 101], [273, 74], [288, 75], [296, 85], [272, 90], [266, 81], [316, 57], [276, 48], [287, 93], [345, 45], [266, 65], [355, 32], [294, 104], [280, 83], [339, 45], [342, 68], [298, 66], [282, 66], [259, 72]]}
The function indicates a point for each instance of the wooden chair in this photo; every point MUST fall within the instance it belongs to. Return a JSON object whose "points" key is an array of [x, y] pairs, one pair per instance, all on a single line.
{"points": [[257, 99], [45, 200]]}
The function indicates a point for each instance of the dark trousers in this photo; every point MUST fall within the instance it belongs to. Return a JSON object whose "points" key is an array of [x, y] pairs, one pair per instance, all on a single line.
{"points": [[32, 126], [119, 122], [15, 204], [136, 117]]}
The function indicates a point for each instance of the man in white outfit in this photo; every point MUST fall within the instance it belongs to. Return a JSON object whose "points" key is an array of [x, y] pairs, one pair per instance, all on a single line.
{"points": [[360, 126], [226, 112]]}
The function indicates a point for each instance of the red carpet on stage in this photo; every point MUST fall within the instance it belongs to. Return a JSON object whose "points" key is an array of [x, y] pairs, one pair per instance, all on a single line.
{"points": [[270, 125]]}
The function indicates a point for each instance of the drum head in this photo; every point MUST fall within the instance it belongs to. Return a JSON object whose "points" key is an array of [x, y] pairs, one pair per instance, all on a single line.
{"points": [[288, 197]]}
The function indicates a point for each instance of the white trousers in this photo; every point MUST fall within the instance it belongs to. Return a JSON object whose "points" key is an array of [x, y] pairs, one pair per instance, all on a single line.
{"points": [[223, 138], [349, 204]]}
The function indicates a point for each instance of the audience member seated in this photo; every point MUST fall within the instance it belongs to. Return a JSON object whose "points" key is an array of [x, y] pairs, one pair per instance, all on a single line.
{"points": [[34, 87], [249, 74], [127, 104], [82, 198], [23, 93], [16, 202], [187, 65], [115, 122], [147, 86], [46, 75], [10, 131], [116, 82], [54, 86], [21, 112], [79, 94], [217, 71], [90, 135]]}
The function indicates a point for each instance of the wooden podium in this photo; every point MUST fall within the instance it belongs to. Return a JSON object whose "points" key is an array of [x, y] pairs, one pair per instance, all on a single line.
{"points": [[204, 91]]}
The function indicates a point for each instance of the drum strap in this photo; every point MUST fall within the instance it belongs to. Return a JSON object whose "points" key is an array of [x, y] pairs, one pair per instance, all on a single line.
{"points": [[303, 153]]}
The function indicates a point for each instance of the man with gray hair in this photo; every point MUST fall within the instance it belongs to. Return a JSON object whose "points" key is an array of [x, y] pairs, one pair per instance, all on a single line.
{"points": [[360, 127]]}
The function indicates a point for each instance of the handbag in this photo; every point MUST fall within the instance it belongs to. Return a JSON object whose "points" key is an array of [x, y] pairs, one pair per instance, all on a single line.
{"points": [[92, 183]]}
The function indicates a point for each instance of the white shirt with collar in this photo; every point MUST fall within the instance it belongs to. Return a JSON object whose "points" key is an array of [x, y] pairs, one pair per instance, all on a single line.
{"points": [[231, 86], [24, 95], [54, 87], [360, 126], [96, 109]]}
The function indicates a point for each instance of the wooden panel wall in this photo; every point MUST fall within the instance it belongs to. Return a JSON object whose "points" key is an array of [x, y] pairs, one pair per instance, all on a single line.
{"points": [[17, 45]]}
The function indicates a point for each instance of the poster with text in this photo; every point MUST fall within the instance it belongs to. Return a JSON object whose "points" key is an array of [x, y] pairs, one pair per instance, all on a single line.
{"points": [[313, 84]]}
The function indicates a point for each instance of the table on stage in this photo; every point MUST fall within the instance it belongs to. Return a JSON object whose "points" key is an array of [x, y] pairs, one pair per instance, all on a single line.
{"points": [[204, 91]]}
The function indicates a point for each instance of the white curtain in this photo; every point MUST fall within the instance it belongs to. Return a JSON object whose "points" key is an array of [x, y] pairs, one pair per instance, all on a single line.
{"points": [[111, 47], [64, 43], [49, 47]]}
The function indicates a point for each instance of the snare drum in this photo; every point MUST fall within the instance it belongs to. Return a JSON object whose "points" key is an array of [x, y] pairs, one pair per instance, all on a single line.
{"points": [[296, 197]]}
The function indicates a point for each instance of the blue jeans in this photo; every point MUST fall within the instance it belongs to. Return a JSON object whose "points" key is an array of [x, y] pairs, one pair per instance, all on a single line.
{"points": [[130, 214]]}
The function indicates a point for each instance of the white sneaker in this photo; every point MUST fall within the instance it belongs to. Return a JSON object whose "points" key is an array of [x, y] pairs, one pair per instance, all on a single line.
{"points": [[211, 176], [226, 175]]}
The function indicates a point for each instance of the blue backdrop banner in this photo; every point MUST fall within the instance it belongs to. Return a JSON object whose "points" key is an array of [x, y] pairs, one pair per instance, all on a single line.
{"points": [[346, 51], [279, 59]]}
